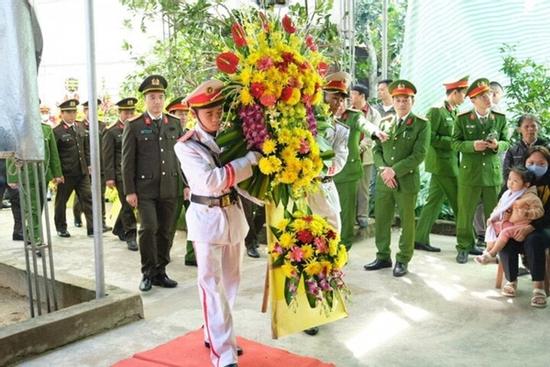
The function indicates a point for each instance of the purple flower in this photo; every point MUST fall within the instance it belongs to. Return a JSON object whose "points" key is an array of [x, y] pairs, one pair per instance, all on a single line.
{"points": [[254, 127], [311, 121]]}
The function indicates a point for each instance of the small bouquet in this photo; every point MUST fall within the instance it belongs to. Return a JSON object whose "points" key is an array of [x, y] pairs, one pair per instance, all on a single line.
{"points": [[273, 77], [308, 248]]}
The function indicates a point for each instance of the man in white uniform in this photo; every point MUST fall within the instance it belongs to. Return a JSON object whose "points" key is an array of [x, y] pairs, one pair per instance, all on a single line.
{"points": [[215, 220]]}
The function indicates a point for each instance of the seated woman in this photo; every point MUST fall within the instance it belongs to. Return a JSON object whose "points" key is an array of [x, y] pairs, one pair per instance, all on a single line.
{"points": [[534, 238]]}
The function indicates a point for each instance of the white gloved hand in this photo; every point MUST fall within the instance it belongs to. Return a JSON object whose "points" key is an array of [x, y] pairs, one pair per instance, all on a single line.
{"points": [[253, 157]]}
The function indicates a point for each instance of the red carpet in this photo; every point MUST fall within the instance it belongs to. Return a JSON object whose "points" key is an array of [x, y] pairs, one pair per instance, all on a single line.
{"points": [[189, 351]]}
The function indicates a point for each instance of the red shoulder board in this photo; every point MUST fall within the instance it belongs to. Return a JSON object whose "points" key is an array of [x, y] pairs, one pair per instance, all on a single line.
{"points": [[186, 136], [409, 121], [147, 119], [165, 119], [472, 116]]}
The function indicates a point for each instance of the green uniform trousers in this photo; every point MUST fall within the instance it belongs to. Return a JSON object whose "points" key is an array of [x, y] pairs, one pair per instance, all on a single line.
{"points": [[363, 195], [441, 187], [347, 193], [468, 199], [384, 204]]}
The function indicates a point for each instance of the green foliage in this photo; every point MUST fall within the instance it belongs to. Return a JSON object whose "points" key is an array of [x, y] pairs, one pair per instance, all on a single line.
{"points": [[368, 28], [528, 89], [197, 31]]}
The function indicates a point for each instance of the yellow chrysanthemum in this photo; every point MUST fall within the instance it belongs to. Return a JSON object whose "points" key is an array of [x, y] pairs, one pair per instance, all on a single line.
{"points": [[266, 166], [327, 266], [299, 224], [313, 268], [281, 225], [269, 146], [246, 97], [308, 251], [286, 240], [333, 247], [289, 270], [342, 258]]}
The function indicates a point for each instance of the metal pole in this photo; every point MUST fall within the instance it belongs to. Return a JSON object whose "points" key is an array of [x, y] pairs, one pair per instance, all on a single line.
{"points": [[94, 152], [385, 39]]}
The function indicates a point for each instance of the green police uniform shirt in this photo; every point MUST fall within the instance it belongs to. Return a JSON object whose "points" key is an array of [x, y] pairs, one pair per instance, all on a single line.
{"points": [[404, 151], [441, 158], [480, 168]]}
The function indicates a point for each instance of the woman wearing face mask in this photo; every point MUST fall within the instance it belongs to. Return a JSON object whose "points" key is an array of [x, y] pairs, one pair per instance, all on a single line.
{"points": [[533, 239]]}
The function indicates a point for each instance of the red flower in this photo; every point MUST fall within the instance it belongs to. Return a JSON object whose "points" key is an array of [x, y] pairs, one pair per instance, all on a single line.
{"points": [[322, 68], [239, 37], [268, 100], [286, 94], [331, 234], [409, 121], [265, 22], [288, 25], [304, 236], [257, 90], [304, 149], [264, 63], [321, 245], [227, 62], [287, 57], [310, 43]]}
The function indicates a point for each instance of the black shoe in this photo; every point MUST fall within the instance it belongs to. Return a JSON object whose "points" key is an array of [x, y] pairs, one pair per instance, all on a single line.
{"points": [[77, 223], [191, 262], [476, 251], [145, 284], [90, 232], [462, 257], [119, 234], [378, 264], [132, 245], [106, 228], [17, 237], [162, 280], [312, 331], [481, 243], [231, 365], [400, 269], [64, 233], [253, 252], [239, 350], [5, 204], [426, 247]]}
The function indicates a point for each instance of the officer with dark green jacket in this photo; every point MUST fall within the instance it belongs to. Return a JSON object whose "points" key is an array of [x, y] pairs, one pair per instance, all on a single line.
{"points": [[152, 180], [441, 162], [480, 135], [347, 181], [52, 170], [125, 225], [398, 180]]}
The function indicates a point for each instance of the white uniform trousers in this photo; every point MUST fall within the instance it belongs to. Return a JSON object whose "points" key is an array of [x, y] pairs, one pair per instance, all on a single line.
{"points": [[218, 275], [326, 203]]}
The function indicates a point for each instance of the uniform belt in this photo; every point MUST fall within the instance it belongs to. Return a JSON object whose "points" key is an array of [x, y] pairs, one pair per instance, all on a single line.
{"points": [[326, 179], [221, 201]]}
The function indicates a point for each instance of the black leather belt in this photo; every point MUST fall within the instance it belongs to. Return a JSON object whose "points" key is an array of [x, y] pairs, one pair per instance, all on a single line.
{"points": [[211, 201], [326, 179]]}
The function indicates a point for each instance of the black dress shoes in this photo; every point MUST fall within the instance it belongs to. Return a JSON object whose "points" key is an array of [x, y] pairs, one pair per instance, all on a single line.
{"points": [[90, 232], [462, 257], [132, 245], [64, 233], [78, 223], [239, 350], [425, 247], [378, 264], [17, 237], [106, 228], [120, 235], [145, 284], [312, 331], [476, 251], [400, 269], [253, 252], [162, 280]]}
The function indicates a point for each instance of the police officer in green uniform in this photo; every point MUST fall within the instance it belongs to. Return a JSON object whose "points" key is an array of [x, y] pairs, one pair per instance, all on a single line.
{"points": [[180, 108], [480, 135], [74, 153], [152, 180], [398, 180], [52, 171], [347, 181], [125, 225], [441, 162], [77, 208]]}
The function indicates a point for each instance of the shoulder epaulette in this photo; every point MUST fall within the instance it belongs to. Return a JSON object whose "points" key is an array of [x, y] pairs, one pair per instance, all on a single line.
{"points": [[135, 118], [498, 113], [171, 115], [342, 124], [464, 113], [352, 110], [422, 118], [111, 125], [186, 136]]}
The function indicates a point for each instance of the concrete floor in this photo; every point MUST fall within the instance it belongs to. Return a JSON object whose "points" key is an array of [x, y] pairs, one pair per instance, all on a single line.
{"points": [[441, 314]]}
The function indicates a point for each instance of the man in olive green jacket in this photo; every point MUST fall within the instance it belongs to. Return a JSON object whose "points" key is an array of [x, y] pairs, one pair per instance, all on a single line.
{"points": [[441, 162], [480, 135], [398, 181]]}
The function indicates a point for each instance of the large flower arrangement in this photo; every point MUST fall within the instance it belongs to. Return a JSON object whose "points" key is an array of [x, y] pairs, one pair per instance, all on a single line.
{"points": [[308, 248], [273, 78]]}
